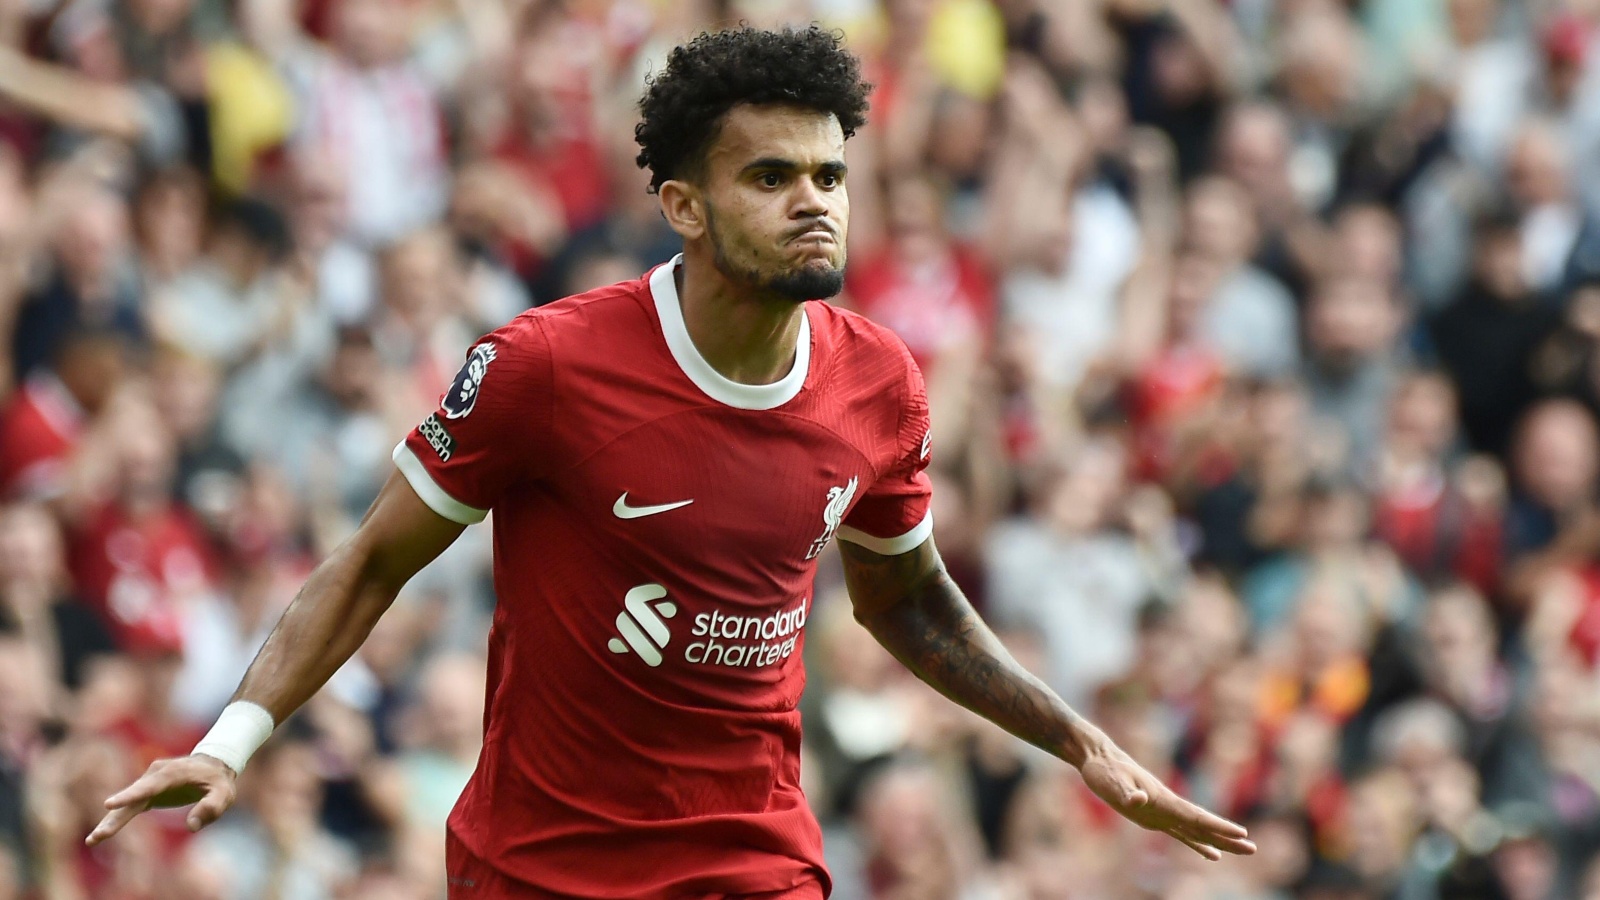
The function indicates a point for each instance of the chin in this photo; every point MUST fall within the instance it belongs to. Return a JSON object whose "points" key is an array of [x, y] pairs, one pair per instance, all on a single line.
{"points": [[814, 281]]}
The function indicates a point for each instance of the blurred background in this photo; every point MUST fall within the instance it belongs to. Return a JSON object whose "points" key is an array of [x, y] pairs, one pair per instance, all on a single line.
{"points": [[1263, 349]]}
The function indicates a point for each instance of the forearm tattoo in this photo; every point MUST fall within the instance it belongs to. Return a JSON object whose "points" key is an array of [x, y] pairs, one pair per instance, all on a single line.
{"points": [[912, 607]]}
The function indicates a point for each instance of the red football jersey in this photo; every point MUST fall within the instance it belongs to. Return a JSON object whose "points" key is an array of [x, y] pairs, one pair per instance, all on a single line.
{"points": [[39, 429], [656, 528]]}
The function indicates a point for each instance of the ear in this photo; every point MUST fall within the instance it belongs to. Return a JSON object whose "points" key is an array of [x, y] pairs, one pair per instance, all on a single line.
{"points": [[683, 208]]}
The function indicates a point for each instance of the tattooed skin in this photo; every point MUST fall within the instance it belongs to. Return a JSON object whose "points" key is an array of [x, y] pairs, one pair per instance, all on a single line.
{"points": [[915, 610], [912, 607]]}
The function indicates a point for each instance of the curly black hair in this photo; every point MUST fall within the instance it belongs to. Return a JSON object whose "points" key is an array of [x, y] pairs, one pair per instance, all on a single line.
{"points": [[683, 105]]}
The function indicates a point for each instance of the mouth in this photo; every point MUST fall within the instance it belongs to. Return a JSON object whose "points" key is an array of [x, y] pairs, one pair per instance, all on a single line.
{"points": [[815, 233]]}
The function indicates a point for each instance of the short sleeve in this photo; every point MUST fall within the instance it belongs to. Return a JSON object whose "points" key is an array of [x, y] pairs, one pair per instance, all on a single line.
{"points": [[492, 427], [896, 514]]}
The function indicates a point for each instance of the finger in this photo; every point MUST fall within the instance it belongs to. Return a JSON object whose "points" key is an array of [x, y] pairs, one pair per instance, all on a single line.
{"points": [[205, 812], [1214, 824], [1126, 794], [1210, 853], [142, 791], [1204, 821], [1236, 846], [112, 823], [1130, 793]]}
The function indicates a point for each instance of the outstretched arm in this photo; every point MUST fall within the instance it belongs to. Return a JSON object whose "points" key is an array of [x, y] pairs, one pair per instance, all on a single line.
{"points": [[69, 98], [335, 611], [344, 598], [912, 607]]}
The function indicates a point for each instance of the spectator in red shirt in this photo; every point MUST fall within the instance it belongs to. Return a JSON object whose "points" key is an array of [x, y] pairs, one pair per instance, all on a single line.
{"points": [[1429, 514], [41, 424], [1174, 374], [933, 292], [550, 142], [140, 557], [153, 729], [921, 283]]}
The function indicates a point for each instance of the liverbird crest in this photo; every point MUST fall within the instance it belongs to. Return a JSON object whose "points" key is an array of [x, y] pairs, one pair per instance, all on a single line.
{"points": [[833, 514]]}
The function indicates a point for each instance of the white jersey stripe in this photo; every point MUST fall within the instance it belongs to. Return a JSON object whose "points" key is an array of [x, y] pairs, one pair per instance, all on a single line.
{"points": [[894, 546], [430, 491]]}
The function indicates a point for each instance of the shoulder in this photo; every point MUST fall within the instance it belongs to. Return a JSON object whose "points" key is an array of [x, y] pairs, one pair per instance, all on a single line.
{"points": [[576, 319], [561, 342], [863, 351], [872, 381], [612, 311]]}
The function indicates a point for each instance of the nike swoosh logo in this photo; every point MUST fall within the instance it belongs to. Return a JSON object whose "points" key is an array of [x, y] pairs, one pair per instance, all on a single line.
{"points": [[623, 511]]}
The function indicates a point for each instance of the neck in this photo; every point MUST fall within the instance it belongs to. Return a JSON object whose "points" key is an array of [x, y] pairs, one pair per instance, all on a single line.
{"points": [[91, 287], [746, 337]]}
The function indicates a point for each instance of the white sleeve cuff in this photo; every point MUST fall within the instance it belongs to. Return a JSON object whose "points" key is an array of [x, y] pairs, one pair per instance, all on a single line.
{"points": [[894, 546], [430, 491]]}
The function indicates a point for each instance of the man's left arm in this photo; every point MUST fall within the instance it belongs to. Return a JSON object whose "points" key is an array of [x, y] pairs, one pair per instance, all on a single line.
{"points": [[910, 604]]}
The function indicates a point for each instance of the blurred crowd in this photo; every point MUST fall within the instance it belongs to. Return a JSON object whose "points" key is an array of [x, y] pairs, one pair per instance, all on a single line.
{"points": [[1263, 350]]}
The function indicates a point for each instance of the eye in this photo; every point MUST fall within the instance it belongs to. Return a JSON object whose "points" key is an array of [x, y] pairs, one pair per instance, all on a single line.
{"points": [[828, 181], [771, 180]]}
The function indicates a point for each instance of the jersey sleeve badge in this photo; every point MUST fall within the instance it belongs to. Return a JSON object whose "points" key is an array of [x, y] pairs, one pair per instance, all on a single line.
{"points": [[463, 394]]}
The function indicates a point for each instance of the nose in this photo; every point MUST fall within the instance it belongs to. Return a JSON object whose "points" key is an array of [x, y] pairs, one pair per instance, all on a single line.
{"points": [[809, 201]]}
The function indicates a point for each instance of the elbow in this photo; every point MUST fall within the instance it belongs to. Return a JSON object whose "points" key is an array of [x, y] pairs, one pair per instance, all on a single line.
{"points": [[369, 578], [870, 619], [881, 618], [381, 576]]}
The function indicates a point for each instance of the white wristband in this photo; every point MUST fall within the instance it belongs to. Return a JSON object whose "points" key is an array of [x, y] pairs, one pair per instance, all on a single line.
{"points": [[240, 731]]}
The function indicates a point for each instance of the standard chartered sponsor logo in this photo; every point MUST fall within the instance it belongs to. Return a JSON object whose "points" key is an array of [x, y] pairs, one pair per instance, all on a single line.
{"points": [[750, 641], [723, 640], [641, 625]]}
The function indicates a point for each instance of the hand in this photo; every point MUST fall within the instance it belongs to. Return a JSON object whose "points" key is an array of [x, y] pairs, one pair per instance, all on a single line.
{"points": [[1151, 156], [1028, 95], [1143, 799], [202, 780], [1149, 514], [1482, 484]]}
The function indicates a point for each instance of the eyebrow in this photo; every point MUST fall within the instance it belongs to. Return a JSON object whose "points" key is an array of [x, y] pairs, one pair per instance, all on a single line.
{"points": [[774, 163]]}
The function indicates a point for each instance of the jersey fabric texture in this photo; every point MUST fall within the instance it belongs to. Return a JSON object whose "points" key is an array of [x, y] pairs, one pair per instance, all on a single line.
{"points": [[656, 528]]}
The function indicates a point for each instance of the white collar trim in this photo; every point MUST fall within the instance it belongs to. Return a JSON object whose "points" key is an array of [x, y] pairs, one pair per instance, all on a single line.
{"points": [[713, 383]]}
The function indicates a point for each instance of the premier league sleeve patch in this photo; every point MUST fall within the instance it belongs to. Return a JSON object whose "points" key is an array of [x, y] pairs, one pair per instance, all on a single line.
{"points": [[463, 393]]}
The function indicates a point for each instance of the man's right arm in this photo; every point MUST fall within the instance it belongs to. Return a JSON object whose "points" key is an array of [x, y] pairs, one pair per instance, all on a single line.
{"points": [[330, 618]]}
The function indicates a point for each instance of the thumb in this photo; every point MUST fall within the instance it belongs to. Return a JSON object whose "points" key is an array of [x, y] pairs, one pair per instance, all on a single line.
{"points": [[1132, 795]]}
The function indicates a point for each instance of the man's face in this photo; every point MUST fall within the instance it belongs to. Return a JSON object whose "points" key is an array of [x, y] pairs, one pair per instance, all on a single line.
{"points": [[1219, 223], [371, 32], [1351, 319], [93, 235], [775, 206], [30, 546]]}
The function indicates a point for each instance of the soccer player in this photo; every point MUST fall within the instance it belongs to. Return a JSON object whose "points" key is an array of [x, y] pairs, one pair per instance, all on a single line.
{"points": [[665, 459]]}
